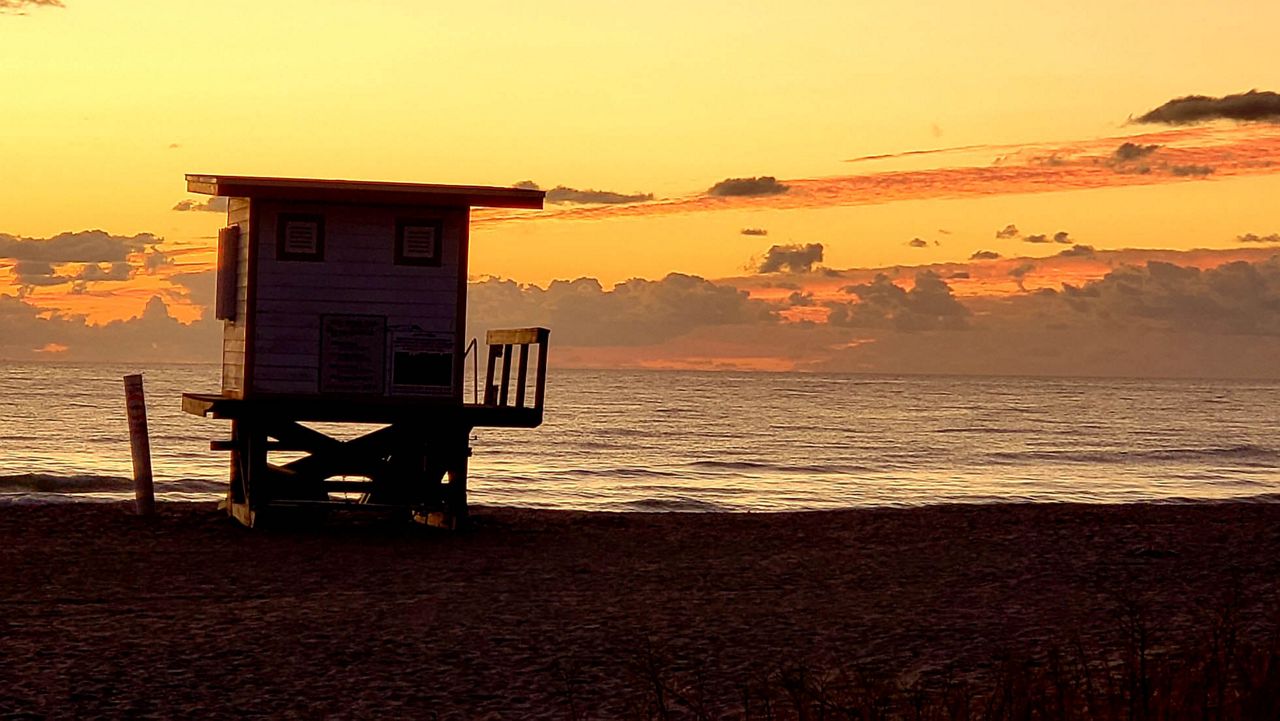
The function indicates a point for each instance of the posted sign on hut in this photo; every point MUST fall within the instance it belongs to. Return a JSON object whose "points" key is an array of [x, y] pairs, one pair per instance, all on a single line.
{"points": [[346, 301]]}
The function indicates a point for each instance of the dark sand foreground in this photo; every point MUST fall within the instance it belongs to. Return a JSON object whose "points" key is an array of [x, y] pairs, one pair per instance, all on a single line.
{"points": [[553, 614]]}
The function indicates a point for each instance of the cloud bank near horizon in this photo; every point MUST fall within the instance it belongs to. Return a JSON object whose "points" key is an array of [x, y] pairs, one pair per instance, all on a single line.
{"points": [[1083, 313]]}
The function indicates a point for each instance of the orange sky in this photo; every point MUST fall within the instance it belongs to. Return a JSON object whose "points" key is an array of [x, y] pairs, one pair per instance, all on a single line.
{"points": [[905, 135]]}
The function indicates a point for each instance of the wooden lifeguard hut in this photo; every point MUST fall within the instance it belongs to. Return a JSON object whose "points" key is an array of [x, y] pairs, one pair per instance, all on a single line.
{"points": [[346, 301]]}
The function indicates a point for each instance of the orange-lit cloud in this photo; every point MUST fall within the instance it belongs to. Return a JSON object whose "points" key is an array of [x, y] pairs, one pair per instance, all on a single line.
{"points": [[1002, 278], [1181, 155]]}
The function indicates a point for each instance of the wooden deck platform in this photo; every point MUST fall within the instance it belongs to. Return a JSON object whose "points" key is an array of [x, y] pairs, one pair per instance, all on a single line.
{"points": [[426, 413]]}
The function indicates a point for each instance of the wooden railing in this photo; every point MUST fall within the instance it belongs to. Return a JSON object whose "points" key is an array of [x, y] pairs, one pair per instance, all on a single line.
{"points": [[502, 344]]}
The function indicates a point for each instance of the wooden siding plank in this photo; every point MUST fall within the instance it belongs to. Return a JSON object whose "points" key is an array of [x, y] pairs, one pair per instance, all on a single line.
{"points": [[303, 280], [362, 297], [283, 386], [287, 270], [431, 314]]}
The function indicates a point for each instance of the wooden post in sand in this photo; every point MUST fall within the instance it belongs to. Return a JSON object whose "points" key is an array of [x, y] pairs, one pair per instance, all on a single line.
{"points": [[135, 402]]}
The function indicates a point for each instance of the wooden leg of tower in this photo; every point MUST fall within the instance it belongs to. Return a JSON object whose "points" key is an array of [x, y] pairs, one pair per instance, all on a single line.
{"points": [[457, 514], [238, 490], [248, 466]]}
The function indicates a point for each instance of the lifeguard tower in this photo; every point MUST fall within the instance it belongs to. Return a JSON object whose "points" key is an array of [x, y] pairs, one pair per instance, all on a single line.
{"points": [[346, 301]]}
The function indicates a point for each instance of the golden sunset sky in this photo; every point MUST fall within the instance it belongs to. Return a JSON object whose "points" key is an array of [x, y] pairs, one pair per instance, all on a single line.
{"points": [[109, 103]]}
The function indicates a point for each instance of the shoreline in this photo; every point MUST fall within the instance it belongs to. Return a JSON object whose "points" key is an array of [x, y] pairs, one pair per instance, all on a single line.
{"points": [[110, 614], [42, 489]]}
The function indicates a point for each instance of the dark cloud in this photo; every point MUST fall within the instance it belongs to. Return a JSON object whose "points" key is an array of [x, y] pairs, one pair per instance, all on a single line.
{"points": [[794, 258], [562, 194], [37, 273], [800, 299], [89, 246], [637, 312], [1238, 297], [960, 275], [1020, 274], [216, 204], [155, 259], [1251, 106], [1022, 270], [1077, 251], [985, 255], [929, 305], [1129, 157], [918, 243], [95, 272], [764, 185], [754, 231], [1129, 152], [1190, 170], [32, 274], [1061, 237], [1254, 238], [1009, 231], [105, 271]]}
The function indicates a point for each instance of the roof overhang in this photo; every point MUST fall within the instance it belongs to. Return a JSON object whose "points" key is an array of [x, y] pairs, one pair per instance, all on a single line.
{"points": [[364, 191]]}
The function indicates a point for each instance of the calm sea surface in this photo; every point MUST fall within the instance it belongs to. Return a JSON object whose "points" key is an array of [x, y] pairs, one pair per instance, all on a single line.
{"points": [[617, 440]]}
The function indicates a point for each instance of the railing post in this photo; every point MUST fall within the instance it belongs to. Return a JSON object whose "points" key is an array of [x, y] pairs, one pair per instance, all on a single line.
{"points": [[540, 384], [506, 375], [490, 390], [522, 374]]}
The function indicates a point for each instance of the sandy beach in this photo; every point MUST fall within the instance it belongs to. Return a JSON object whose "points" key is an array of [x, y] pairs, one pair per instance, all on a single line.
{"points": [[541, 614]]}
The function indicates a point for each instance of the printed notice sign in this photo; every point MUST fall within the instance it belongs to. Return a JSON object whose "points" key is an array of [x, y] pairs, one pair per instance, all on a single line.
{"points": [[300, 237], [421, 362], [353, 354], [419, 242]]}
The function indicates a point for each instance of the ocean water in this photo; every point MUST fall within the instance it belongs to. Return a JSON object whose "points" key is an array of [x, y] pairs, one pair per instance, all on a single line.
{"points": [[680, 441]]}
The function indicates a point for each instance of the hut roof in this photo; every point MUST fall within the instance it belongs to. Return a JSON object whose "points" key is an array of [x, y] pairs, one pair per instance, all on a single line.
{"points": [[363, 191]]}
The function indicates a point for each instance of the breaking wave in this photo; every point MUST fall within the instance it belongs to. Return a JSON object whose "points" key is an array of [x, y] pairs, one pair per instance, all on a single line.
{"points": [[90, 483], [1244, 454]]}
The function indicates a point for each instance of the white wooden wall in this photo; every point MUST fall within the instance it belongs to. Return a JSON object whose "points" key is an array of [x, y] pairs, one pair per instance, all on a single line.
{"points": [[358, 276], [233, 332]]}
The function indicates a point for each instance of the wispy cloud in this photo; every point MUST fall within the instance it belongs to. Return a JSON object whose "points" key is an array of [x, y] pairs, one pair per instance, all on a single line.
{"points": [[16, 7], [1183, 155], [910, 153]]}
